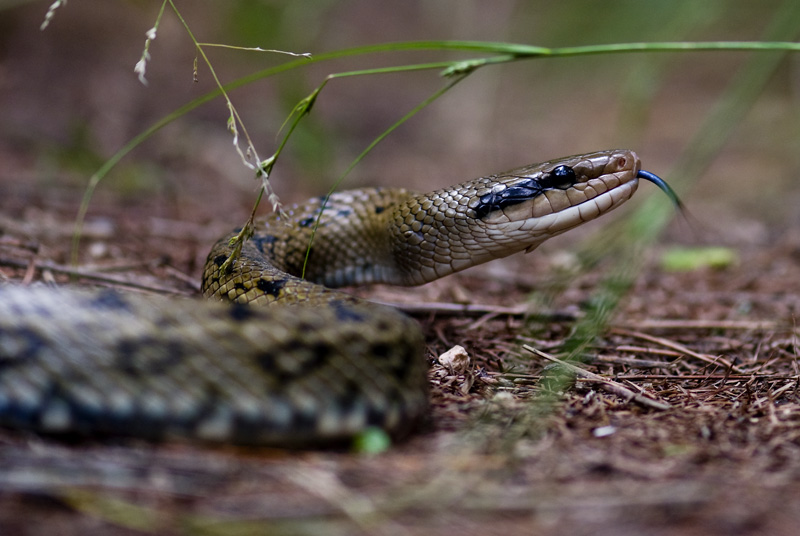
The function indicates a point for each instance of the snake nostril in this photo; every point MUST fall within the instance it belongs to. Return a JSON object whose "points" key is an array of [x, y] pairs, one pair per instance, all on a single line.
{"points": [[621, 162]]}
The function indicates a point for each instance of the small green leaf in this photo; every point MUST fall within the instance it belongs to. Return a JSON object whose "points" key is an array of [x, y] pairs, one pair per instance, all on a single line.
{"points": [[372, 441], [688, 259]]}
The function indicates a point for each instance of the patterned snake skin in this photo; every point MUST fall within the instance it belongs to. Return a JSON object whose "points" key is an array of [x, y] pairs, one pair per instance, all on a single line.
{"points": [[321, 367]]}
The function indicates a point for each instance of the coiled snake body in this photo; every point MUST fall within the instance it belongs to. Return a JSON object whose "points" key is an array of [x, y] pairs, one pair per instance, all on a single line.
{"points": [[322, 368]]}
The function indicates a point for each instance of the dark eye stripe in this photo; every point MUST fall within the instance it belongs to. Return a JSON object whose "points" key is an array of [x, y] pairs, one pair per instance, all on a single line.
{"points": [[560, 177]]}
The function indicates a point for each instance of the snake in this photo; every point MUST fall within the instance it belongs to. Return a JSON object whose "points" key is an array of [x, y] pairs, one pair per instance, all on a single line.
{"points": [[275, 356]]}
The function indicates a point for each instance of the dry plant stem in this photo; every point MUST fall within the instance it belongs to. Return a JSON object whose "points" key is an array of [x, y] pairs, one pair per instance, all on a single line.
{"points": [[478, 309], [633, 362], [455, 309], [681, 348], [761, 325], [604, 383], [695, 377], [788, 386]]}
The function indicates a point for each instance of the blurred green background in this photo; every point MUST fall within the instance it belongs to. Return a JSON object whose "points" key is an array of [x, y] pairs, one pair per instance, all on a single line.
{"points": [[69, 99]]}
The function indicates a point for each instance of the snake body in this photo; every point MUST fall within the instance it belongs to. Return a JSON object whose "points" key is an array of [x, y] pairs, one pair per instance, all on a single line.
{"points": [[320, 368]]}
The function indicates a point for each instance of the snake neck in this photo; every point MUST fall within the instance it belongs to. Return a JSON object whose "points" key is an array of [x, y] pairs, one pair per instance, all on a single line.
{"points": [[349, 246], [376, 235]]}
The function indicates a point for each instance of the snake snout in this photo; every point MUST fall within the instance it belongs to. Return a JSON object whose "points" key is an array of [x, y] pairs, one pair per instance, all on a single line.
{"points": [[627, 160]]}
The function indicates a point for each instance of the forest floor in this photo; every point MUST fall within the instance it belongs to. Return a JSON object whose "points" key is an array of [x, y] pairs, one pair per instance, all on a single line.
{"points": [[718, 453]]}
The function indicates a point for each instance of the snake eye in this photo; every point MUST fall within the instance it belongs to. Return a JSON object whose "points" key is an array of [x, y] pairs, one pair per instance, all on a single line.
{"points": [[560, 177]]}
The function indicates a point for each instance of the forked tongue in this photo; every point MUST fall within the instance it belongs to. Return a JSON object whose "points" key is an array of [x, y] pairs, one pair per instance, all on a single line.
{"points": [[664, 187]]}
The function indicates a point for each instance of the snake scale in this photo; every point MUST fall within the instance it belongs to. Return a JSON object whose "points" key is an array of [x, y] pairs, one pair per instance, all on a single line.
{"points": [[321, 367]]}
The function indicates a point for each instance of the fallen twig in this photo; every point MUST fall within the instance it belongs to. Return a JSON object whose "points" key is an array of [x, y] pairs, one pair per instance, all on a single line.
{"points": [[745, 325], [687, 377], [633, 362], [469, 309], [604, 383], [711, 360]]}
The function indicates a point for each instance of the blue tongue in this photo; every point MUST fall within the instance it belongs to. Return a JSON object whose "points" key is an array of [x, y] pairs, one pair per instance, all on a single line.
{"points": [[663, 186]]}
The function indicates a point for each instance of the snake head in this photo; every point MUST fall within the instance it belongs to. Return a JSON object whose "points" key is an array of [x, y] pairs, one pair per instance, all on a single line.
{"points": [[524, 207], [452, 229]]}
